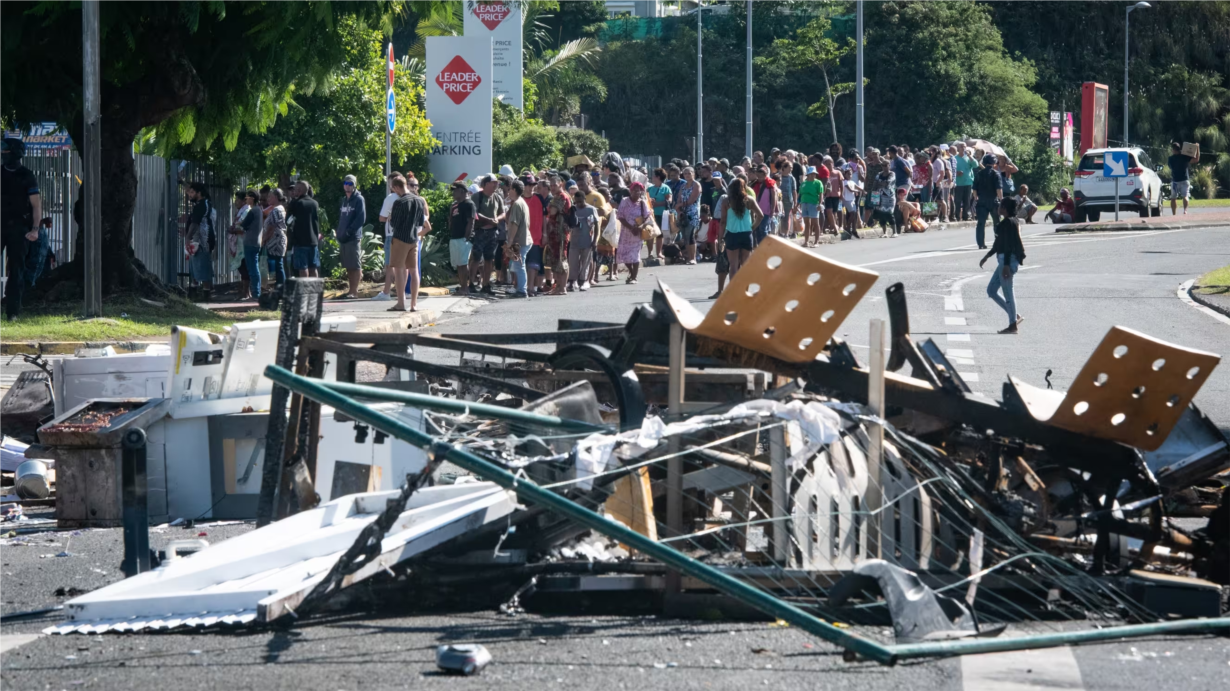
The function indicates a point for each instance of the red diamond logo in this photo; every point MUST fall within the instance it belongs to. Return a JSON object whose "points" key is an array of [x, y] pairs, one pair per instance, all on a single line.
{"points": [[491, 14], [458, 80]]}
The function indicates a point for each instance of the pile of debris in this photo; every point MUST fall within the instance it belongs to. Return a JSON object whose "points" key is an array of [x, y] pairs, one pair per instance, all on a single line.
{"points": [[766, 463]]}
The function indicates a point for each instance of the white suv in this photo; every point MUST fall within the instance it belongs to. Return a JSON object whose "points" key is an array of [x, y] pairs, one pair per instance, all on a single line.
{"points": [[1140, 191]]}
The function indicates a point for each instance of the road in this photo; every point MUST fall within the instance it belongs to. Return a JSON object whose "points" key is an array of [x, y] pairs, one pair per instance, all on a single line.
{"points": [[1073, 289]]}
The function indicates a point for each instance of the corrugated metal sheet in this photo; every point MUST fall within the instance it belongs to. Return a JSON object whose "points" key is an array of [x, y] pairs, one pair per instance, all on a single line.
{"points": [[149, 218], [59, 180]]}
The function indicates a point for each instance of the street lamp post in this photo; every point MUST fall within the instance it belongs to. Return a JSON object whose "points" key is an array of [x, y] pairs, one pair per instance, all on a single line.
{"points": [[1127, 17], [858, 85], [700, 90], [747, 136]]}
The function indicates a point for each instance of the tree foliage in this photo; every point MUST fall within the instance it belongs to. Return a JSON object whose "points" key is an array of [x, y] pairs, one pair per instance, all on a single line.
{"points": [[330, 134], [208, 69]]}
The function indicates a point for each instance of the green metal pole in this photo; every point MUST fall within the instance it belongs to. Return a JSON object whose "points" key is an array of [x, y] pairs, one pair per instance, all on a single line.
{"points": [[973, 646], [532, 493], [450, 405]]}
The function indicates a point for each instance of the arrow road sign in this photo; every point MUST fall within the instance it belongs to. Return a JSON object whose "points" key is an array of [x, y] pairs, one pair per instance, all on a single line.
{"points": [[391, 109], [1115, 164]]}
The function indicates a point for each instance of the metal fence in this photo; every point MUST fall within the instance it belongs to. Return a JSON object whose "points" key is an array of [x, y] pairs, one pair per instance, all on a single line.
{"points": [[159, 218]]}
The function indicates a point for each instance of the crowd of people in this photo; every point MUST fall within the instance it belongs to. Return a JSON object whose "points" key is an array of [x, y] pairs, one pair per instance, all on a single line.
{"points": [[553, 232]]}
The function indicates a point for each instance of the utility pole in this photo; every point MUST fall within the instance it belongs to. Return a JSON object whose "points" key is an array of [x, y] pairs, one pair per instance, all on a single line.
{"points": [[92, 159], [747, 134], [700, 87], [858, 85]]}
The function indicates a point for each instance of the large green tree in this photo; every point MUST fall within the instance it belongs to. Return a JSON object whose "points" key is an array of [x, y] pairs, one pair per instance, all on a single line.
{"points": [[330, 133], [213, 69]]}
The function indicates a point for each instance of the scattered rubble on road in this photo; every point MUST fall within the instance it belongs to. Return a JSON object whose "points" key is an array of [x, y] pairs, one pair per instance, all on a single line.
{"points": [[739, 461]]}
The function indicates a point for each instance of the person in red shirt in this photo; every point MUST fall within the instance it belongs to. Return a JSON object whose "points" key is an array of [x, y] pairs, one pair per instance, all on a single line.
{"points": [[538, 212], [1065, 209]]}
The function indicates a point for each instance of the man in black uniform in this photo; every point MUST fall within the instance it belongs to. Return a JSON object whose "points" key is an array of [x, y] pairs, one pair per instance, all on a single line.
{"points": [[22, 208]]}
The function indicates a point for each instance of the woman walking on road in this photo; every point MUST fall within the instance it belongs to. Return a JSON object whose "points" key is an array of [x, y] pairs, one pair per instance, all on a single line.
{"points": [[1009, 251], [634, 212], [687, 208]]}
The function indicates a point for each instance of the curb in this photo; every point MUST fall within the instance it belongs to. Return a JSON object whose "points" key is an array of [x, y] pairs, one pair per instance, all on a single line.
{"points": [[70, 347], [407, 320], [1200, 299], [1185, 294], [1140, 226]]}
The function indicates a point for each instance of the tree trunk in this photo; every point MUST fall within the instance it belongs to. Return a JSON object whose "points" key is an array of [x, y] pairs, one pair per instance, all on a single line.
{"points": [[828, 94], [125, 111]]}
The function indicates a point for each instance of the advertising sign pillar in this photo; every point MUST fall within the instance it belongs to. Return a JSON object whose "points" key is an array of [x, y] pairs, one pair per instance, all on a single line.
{"points": [[459, 95]]}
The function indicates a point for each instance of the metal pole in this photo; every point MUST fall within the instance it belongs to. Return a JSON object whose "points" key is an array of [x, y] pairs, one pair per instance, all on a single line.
{"points": [[1127, 18], [136, 509], [700, 87], [674, 465], [747, 134], [875, 451], [1117, 199], [91, 155], [530, 492], [858, 84]]}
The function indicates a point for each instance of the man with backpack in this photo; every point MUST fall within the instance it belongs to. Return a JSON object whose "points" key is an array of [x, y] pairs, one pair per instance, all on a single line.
{"points": [[202, 238], [988, 192]]}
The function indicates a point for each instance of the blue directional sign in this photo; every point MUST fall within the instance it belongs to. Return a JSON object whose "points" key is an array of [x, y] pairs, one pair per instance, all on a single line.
{"points": [[391, 108], [1115, 164]]}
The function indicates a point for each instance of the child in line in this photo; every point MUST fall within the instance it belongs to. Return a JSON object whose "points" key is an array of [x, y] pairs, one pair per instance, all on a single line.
{"points": [[850, 190]]}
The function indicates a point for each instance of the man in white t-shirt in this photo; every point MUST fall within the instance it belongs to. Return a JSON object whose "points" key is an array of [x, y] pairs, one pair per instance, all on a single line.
{"points": [[389, 272]]}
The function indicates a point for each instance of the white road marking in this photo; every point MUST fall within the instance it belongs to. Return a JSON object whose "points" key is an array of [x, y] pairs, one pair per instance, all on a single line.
{"points": [[961, 360], [964, 338], [13, 641], [954, 321], [952, 304], [958, 352], [1052, 669], [1183, 289], [968, 376]]}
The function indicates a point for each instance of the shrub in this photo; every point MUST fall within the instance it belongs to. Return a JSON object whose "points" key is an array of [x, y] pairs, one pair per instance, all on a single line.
{"points": [[578, 142]]}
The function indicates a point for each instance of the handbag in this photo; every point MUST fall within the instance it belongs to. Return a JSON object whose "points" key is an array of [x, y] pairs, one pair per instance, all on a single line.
{"points": [[649, 231], [611, 232], [669, 226]]}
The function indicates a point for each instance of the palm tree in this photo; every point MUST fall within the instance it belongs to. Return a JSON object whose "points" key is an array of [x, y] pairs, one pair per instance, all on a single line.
{"points": [[564, 77]]}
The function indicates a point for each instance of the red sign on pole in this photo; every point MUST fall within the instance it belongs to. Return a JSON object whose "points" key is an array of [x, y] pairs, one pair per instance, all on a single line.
{"points": [[390, 65]]}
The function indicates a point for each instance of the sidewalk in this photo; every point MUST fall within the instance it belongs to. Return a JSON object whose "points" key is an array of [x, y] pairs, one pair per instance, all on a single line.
{"points": [[1163, 222]]}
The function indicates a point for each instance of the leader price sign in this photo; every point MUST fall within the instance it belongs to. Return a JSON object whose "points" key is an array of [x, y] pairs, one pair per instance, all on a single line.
{"points": [[501, 22], [459, 87]]}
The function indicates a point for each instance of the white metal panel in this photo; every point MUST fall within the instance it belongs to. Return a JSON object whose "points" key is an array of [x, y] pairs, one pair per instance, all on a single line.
{"points": [[189, 483], [77, 380]]}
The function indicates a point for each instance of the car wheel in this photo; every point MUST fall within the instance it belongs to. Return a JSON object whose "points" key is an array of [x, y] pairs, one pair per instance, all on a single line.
{"points": [[1095, 216], [1081, 216]]}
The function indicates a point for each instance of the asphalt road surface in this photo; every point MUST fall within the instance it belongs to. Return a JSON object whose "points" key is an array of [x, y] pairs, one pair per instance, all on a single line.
{"points": [[1072, 290]]}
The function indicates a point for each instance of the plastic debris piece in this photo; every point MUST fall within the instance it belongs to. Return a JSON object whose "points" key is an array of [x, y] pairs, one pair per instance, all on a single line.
{"points": [[467, 659]]}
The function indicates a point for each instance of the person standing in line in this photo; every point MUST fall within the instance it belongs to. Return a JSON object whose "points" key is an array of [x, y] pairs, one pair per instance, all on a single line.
{"points": [[766, 199], [274, 237], [349, 233], [742, 215], [634, 213], [849, 202], [988, 192], [518, 225], [535, 267], [964, 167], [886, 202], [922, 177], [810, 194], [406, 219], [687, 211], [582, 239], [1180, 179], [234, 244], [790, 197], [491, 212], [939, 175], [708, 187], [22, 208], [251, 230], [660, 196], [832, 194], [304, 215], [461, 217], [902, 172], [1009, 251], [709, 228], [201, 238], [390, 276], [875, 165], [721, 261], [1006, 169], [555, 238]]}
